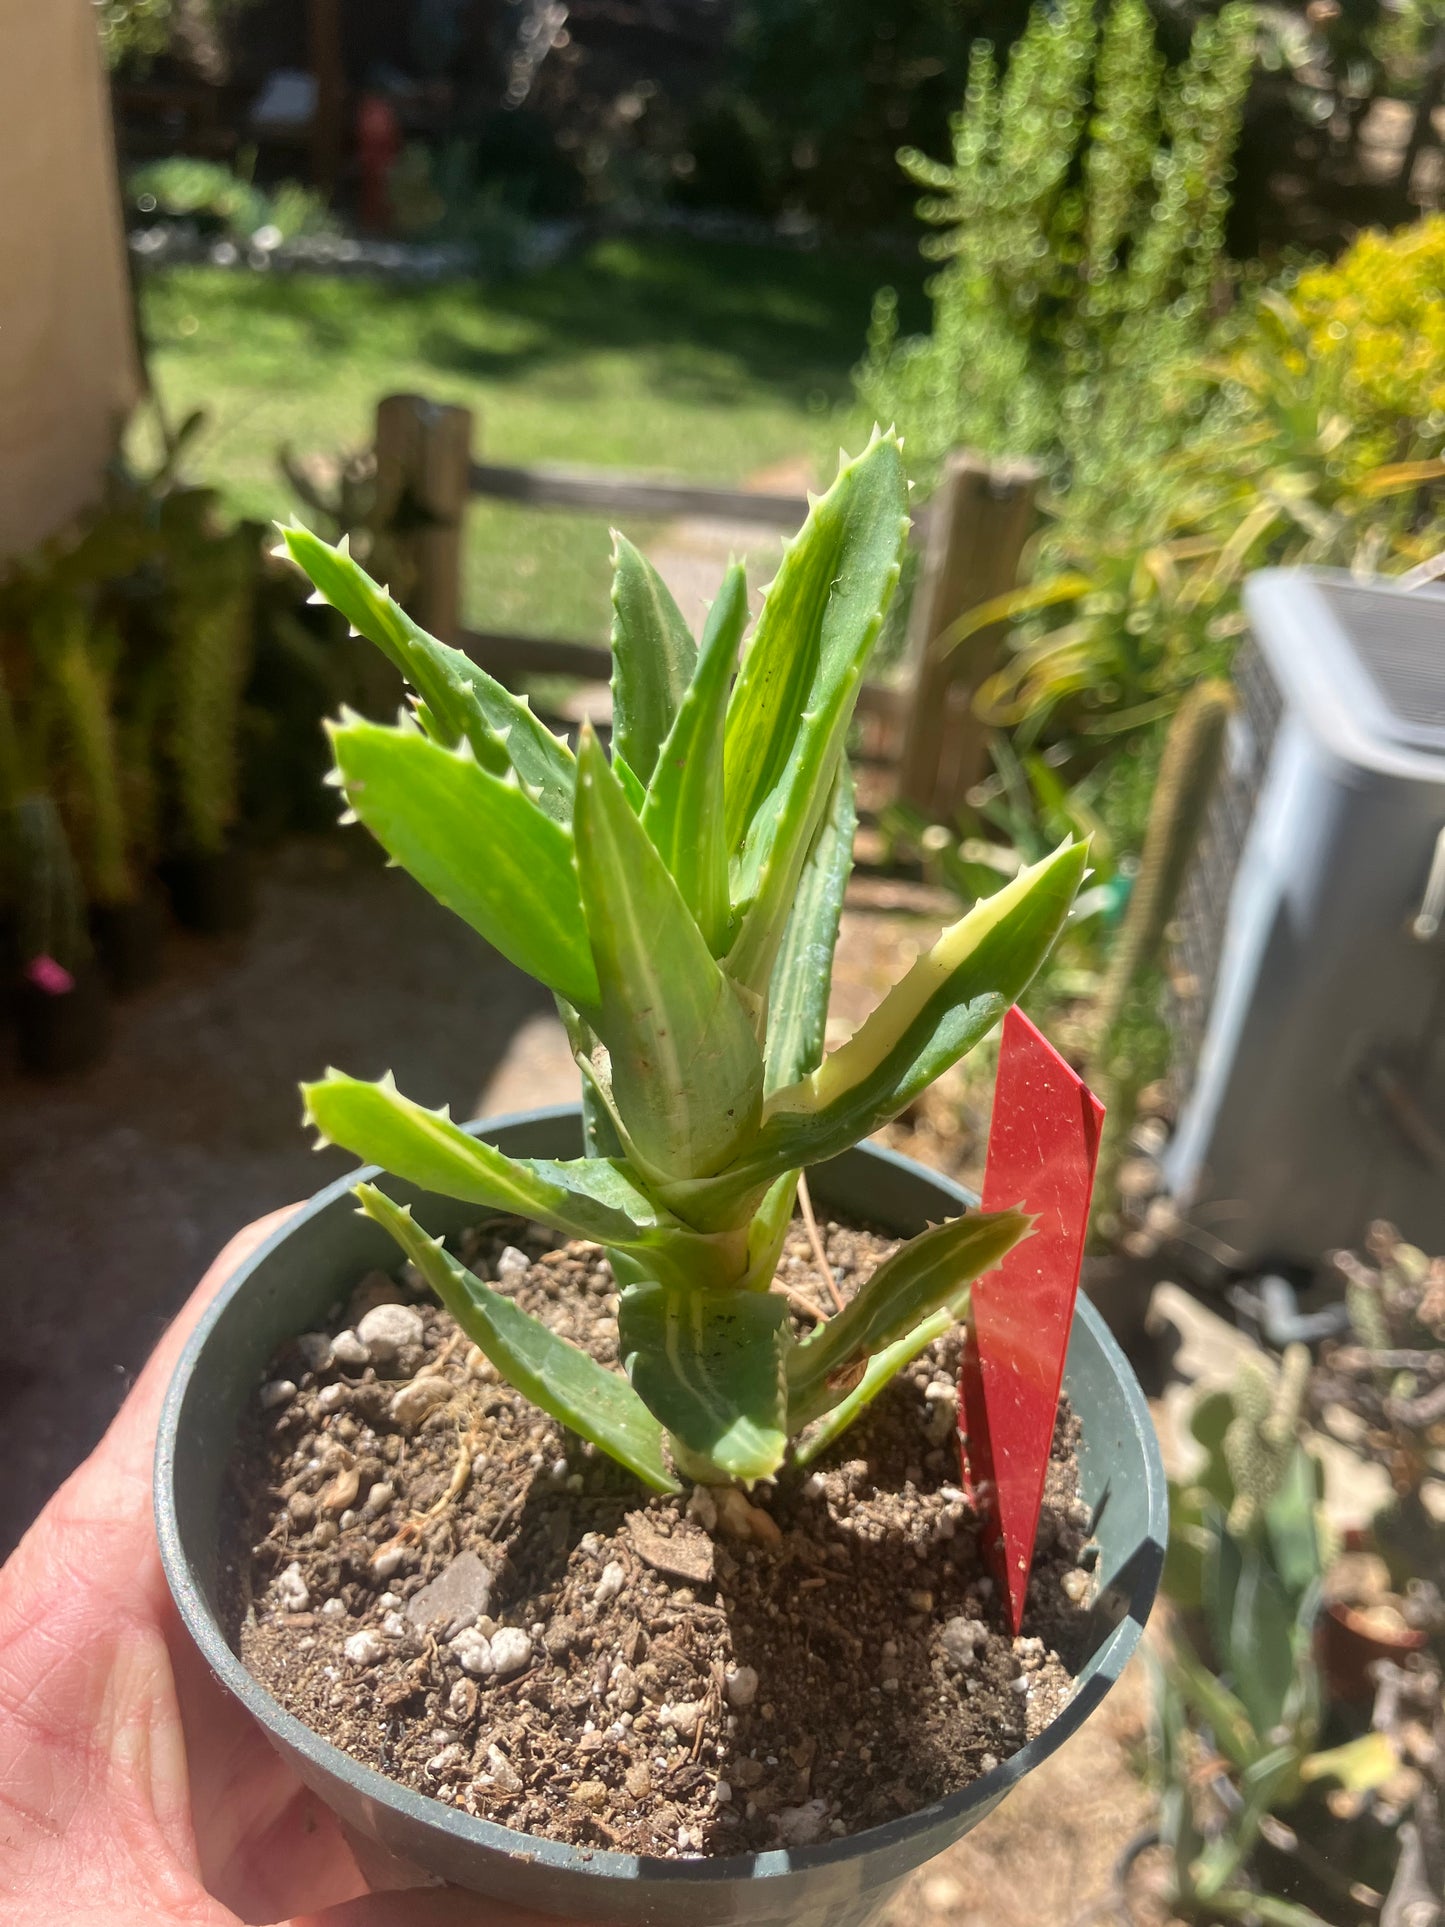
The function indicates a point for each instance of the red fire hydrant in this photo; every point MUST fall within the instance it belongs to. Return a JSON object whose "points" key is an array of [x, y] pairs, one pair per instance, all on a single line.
{"points": [[378, 143]]}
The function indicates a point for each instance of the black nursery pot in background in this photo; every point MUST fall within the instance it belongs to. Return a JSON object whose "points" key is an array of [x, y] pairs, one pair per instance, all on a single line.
{"points": [[317, 1257], [214, 894], [128, 940], [62, 1018]]}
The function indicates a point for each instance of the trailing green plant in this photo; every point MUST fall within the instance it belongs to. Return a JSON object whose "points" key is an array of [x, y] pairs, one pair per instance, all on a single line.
{"points": [[1080, 224], [681, 899], [1239, 1704]]}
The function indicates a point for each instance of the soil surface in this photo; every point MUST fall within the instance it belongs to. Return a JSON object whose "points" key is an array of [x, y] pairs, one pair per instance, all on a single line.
{"points": [[443, 1581]]}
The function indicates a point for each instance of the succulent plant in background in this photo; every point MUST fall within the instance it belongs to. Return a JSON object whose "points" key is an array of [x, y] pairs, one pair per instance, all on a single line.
{"points": [[210, 608], [1240, 1703], [682, 899]]}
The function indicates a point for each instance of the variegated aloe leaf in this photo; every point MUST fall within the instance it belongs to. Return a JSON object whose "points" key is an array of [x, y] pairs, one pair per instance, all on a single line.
{"points": [[710, 1364], [687, 1077], [949, 1000], [803, 973], [593, 1198], [461, 701], [683, 813], [563, 1381], [477, 843], [883, 1368], [829, 601], [921, 1279], [653, 656]]}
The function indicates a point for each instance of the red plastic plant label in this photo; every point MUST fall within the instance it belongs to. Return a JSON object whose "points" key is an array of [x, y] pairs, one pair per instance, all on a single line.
{"points": [[1043, 1146]]}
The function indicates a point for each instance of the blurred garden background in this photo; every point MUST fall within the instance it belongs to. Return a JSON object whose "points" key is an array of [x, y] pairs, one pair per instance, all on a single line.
{"points": [[1155, 292]]}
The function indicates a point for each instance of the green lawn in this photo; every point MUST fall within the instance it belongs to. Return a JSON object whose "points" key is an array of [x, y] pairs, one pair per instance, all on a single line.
{"points": [[685, 358]]}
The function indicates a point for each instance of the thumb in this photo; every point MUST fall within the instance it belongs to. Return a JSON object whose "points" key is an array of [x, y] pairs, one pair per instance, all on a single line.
{"points": [[427, 1907]]}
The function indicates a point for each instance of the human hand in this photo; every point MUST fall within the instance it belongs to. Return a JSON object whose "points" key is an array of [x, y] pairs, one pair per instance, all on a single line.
{"points": [[134, 1791]]}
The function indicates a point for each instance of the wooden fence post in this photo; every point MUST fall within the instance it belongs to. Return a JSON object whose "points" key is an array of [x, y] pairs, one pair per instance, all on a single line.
{"points": [[423, 479], [978, 521]]}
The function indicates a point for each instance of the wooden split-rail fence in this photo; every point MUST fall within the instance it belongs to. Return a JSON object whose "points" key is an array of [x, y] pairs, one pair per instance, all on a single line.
{"points": [[971, 533]]}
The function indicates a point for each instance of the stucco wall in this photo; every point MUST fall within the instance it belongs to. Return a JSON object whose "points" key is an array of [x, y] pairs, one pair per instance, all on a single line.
{"points": [[68, 369]]}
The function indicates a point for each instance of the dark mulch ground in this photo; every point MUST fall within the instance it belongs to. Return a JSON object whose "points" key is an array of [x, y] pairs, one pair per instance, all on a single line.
{"points": [[117, 1186]]}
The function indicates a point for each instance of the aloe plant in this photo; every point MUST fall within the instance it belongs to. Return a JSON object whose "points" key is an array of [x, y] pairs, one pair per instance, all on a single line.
{"points": [[681, 899]]}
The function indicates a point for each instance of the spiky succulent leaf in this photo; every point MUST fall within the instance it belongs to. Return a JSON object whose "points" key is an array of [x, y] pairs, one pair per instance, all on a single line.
{"points": [[925, 1276], [477, 843], [683, 813], [820, 617], [883, 1368], [948, 1001], [561, 1380], [595, 1198], [653, 656], [687, 1077], [462, 702], [803, 973], [710, 1364]]}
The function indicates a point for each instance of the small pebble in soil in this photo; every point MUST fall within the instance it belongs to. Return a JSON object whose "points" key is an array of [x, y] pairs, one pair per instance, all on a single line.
{"points": [[512, 1264], [503, 1773], [960, 1638], [473, 1653], [415, 1401], [741, 1686], [314, 1350], [682, 1718], [459, 1596], [292, 1593], [702, 1508], [276, 1391], [942, 1409], [389, 1330], [611, 1582], [511, 1650], [364, 1648], [1075, 1586], [802, 1826], [348, 1351], [388, 1562]]}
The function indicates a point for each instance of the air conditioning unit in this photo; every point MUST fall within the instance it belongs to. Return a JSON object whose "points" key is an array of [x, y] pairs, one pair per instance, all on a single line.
{"points": [[1310, 964]]}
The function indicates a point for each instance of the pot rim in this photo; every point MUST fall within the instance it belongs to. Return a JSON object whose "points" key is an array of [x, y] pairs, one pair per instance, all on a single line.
{"points": [[1102, 1670]]}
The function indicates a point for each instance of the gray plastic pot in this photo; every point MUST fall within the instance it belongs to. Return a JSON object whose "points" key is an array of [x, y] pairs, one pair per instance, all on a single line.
{"points": [[318, 1256]]}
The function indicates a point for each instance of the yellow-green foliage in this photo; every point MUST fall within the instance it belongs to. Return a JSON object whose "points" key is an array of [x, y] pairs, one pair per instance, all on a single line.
{"points": [[1376, 321]]}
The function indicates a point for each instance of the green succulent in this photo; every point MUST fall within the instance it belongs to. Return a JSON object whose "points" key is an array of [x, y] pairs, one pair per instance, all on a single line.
{"points": [[681, 900]]}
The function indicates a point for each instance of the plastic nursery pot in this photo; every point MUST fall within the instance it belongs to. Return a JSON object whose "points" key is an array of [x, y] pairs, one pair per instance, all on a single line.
{"points": [[62, 1021], [1349, 1640], [318, 1256], [214, 894], [128, 938]]}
